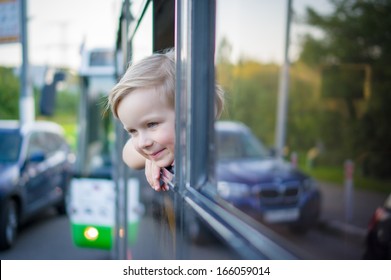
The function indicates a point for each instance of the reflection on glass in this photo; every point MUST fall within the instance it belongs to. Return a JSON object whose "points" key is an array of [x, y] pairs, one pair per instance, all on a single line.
{"points": [[101, 58], [231, 145], [142, 41], [337, 107], [9, 146], [98, 162]]}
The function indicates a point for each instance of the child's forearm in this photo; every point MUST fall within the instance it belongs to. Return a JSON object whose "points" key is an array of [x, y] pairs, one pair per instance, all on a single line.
{"points": [[131, 157]]}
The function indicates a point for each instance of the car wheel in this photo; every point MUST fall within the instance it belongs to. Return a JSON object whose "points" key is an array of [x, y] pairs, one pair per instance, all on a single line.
{"points": [[8, 224]]}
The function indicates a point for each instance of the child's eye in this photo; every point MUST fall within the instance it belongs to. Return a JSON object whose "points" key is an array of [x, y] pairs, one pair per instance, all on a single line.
{"points": [[152, 124], [132, 132]]}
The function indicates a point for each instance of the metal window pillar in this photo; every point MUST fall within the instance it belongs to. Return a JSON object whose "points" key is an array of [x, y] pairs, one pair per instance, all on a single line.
{"points": [[196, 87], [195, 48], [121, 171]]}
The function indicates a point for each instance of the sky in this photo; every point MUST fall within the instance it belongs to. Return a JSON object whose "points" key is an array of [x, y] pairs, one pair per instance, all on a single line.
{"points": [[57, 28]]}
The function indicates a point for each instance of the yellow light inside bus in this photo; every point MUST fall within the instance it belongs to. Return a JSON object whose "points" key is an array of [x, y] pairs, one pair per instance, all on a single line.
{"points": [[91, 233]]}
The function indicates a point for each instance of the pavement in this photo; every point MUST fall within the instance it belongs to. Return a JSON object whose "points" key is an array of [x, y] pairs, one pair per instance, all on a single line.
{"points": [[345, 214]]}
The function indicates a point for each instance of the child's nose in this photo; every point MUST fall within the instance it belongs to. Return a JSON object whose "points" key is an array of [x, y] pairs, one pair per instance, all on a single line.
{"points": [[144, 140]]}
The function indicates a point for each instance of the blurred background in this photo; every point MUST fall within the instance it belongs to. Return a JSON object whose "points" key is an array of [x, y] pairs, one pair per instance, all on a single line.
{"points": [[337, 106]]}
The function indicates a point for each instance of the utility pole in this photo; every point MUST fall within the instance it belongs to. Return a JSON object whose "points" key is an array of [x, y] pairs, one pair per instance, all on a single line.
{"points": [[283, 89], [26, 99]]}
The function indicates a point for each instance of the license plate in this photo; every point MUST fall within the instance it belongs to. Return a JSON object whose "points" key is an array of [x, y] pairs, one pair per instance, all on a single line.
{"points": [[283, 215]]}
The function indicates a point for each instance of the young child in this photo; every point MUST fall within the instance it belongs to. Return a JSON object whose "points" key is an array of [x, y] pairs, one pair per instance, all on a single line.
{"points": [[144, 102]]}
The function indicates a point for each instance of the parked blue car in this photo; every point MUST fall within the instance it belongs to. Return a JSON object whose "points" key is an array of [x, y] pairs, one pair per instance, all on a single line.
{"points": [[261, 185], [35, 173]]}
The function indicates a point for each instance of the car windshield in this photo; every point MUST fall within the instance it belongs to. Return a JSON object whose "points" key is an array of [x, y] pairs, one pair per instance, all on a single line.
{"points": [[9, 145], [239, 145]]}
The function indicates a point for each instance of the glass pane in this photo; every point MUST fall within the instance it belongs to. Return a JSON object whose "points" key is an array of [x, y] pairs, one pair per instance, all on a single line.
{"points": [[336, 114], [9, 145], [98, 162], [142, 40]]}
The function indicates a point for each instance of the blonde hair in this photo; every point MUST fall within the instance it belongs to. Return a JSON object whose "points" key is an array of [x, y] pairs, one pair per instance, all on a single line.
{"points": [[155, 71]]}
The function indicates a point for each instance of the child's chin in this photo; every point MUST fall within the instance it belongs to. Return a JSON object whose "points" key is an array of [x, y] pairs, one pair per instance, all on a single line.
{"points": [[164, 163]]}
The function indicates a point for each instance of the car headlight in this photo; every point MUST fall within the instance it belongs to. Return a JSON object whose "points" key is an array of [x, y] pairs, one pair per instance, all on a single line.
{"points": [[234, 190], [309, 184]]}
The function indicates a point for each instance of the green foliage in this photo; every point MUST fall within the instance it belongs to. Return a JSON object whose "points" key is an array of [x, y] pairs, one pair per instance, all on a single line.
{"points": [[304, 110], [251, 96], [66, 113], [9, 94], [356, 46], [339, 91], [252, 91], [67, 103]]}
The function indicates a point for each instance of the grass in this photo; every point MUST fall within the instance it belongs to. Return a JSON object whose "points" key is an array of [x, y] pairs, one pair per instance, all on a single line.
{"points": [[335, 175]]}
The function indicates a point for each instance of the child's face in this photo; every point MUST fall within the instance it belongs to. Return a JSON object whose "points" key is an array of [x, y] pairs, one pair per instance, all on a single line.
{"points": [[151, 123]]}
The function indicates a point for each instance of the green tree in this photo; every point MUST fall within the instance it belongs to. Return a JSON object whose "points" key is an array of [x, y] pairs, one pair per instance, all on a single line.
{"points": [[356, 33], [303, 110], [251, 89], [9, 94]]}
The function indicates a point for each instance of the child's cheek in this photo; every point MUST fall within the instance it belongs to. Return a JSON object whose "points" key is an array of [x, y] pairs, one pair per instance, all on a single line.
{"points": [[168, 140], [136, 146]]}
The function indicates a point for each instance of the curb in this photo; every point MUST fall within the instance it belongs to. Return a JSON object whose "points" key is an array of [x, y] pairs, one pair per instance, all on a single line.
{"points": [[343, 229]]}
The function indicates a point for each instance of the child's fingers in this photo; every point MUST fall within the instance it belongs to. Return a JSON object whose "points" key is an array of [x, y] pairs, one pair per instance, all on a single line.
{"points": [[155, 170], [152, 173], [156, 176]]}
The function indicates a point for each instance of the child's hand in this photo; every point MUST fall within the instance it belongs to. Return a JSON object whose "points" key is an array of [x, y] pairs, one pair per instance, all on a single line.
{"points": [[152, 173]]}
